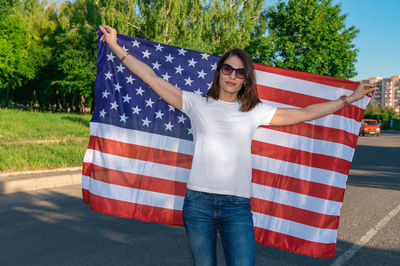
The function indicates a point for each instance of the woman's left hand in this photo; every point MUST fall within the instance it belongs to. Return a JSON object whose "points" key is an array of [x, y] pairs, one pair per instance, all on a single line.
{"points": [[362, 90]]}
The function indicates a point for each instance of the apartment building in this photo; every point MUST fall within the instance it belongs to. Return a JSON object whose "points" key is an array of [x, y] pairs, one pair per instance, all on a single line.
{"points": [[388, 93]]}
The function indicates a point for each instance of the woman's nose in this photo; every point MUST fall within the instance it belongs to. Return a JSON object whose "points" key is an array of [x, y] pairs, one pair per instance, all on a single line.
{"points": [[233, 74]]}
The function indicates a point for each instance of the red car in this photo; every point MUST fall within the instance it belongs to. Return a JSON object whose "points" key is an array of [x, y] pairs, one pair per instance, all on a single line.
{"points": [[370, 126]]}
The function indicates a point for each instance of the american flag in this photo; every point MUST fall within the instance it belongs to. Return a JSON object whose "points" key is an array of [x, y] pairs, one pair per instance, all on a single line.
{"points": [[140, 150]]}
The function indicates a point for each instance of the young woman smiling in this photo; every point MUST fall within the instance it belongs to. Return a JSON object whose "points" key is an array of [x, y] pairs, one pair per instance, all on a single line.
{"points": [[223, 122]]}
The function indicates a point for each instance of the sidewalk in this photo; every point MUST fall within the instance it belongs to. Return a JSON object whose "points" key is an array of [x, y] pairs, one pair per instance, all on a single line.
{"points": [[33, 180]]}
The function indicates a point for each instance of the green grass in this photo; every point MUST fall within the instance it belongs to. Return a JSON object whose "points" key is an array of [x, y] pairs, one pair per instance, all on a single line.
{"points": [[20, 129], [17, 125]]}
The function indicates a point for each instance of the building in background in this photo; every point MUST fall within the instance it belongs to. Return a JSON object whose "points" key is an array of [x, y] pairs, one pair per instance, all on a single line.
{"points": [[388, 93]]}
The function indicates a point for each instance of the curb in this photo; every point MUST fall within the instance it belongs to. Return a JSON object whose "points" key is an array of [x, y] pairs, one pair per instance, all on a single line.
{"points": [[35, 180]]}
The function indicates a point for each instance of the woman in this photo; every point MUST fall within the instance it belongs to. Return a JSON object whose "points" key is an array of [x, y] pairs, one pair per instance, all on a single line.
{"points": [[223, 122]]}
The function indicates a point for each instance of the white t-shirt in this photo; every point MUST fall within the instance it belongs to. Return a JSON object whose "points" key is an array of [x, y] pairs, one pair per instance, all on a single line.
{"points": [[222, 137]]}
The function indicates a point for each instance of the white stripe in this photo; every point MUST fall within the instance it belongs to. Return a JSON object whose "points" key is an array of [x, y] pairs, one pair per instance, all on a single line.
{"points": [[304, 143], [85, 182], [304, 87], [299, 171], [330, 121], [133, 195], [297, 200], [140, 167], [320, 235], [141, 138]]}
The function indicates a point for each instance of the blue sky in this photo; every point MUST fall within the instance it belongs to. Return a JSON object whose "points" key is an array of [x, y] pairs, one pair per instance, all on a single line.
{"points": [[379, 38]]}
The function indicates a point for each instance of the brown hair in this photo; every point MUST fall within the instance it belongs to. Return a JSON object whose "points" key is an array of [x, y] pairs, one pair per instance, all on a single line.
{"points": [[247, 95]]}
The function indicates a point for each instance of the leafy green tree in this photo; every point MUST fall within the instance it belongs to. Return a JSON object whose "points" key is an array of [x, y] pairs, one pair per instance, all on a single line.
{"points": [[16, 64], [311, 36], [75, 54], [207, 26], [39, 18]]}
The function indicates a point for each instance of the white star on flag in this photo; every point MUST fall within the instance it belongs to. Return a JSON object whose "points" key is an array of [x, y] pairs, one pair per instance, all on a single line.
{"points": [[198, 91], [140, 91], [146, 54], [204, 56], [146, 122], [179, 69], [182, 51], [123, 118], [192, 62], [108, 75], [135, 43], [130, 79], [190, 131], [136, 110], [103, 113], [171, 108], [149, 102], [182, 119], [105, 94], [120, 68], [110, 56], [169, 58], [168, 126], [213, 66], [159, 114], [114, 105], [158, 47], [117, 87], [201, 74], [156, 65], [188, 81], [127, 98], [166, 76]]}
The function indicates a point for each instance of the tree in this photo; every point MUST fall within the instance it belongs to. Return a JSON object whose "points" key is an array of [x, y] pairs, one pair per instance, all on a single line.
{"points": [[308, 35], [207, 26], [75, 54], [15, 62]]}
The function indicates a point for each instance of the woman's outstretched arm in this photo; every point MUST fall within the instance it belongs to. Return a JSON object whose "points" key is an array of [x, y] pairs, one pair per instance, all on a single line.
{"points": [[291, 116], [164, 89]]}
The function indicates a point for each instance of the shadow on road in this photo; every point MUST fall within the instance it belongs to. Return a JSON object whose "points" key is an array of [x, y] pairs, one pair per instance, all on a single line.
{"points": [[382, 170], [55, 228]]}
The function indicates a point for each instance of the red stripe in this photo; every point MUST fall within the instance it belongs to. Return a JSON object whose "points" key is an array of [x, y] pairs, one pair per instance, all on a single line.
{"points": [[319, 132], [330, 81], [132, 210], [300, 157], [295, 214], [132, 180], [294, 244], [302, 100], [296, 185], [140, 152]]}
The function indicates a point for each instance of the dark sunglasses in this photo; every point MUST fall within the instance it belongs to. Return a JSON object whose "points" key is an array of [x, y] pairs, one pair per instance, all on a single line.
{"points": [[228, 69]]}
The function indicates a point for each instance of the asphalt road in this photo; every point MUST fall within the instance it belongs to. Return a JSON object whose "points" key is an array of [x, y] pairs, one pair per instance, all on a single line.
{"points": [[54, 227]]}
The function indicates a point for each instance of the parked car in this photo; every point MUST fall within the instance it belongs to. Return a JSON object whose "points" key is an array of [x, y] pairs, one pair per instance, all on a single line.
{"points": [[370, 126]]}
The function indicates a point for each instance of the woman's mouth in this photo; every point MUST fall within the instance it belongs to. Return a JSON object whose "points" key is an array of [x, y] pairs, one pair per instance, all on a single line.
{"points": [[231, 83]]}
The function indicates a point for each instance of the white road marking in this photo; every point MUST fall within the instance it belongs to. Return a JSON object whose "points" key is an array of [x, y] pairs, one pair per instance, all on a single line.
{"points": [[367, 237]]}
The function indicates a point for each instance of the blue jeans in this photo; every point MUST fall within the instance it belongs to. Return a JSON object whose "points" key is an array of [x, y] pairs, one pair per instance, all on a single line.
{"points": [[204, 213]]}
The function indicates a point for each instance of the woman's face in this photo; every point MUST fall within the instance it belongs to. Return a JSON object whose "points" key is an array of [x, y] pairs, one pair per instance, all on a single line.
{"points": [[230, 83]]}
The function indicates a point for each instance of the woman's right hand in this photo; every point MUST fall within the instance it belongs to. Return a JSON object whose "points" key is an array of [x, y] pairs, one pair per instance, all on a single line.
{"points": [[109, 36]]}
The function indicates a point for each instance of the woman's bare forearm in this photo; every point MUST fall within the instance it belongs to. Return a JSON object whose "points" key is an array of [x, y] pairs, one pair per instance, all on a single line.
{"points": [[291, 116], [164, 89]]}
